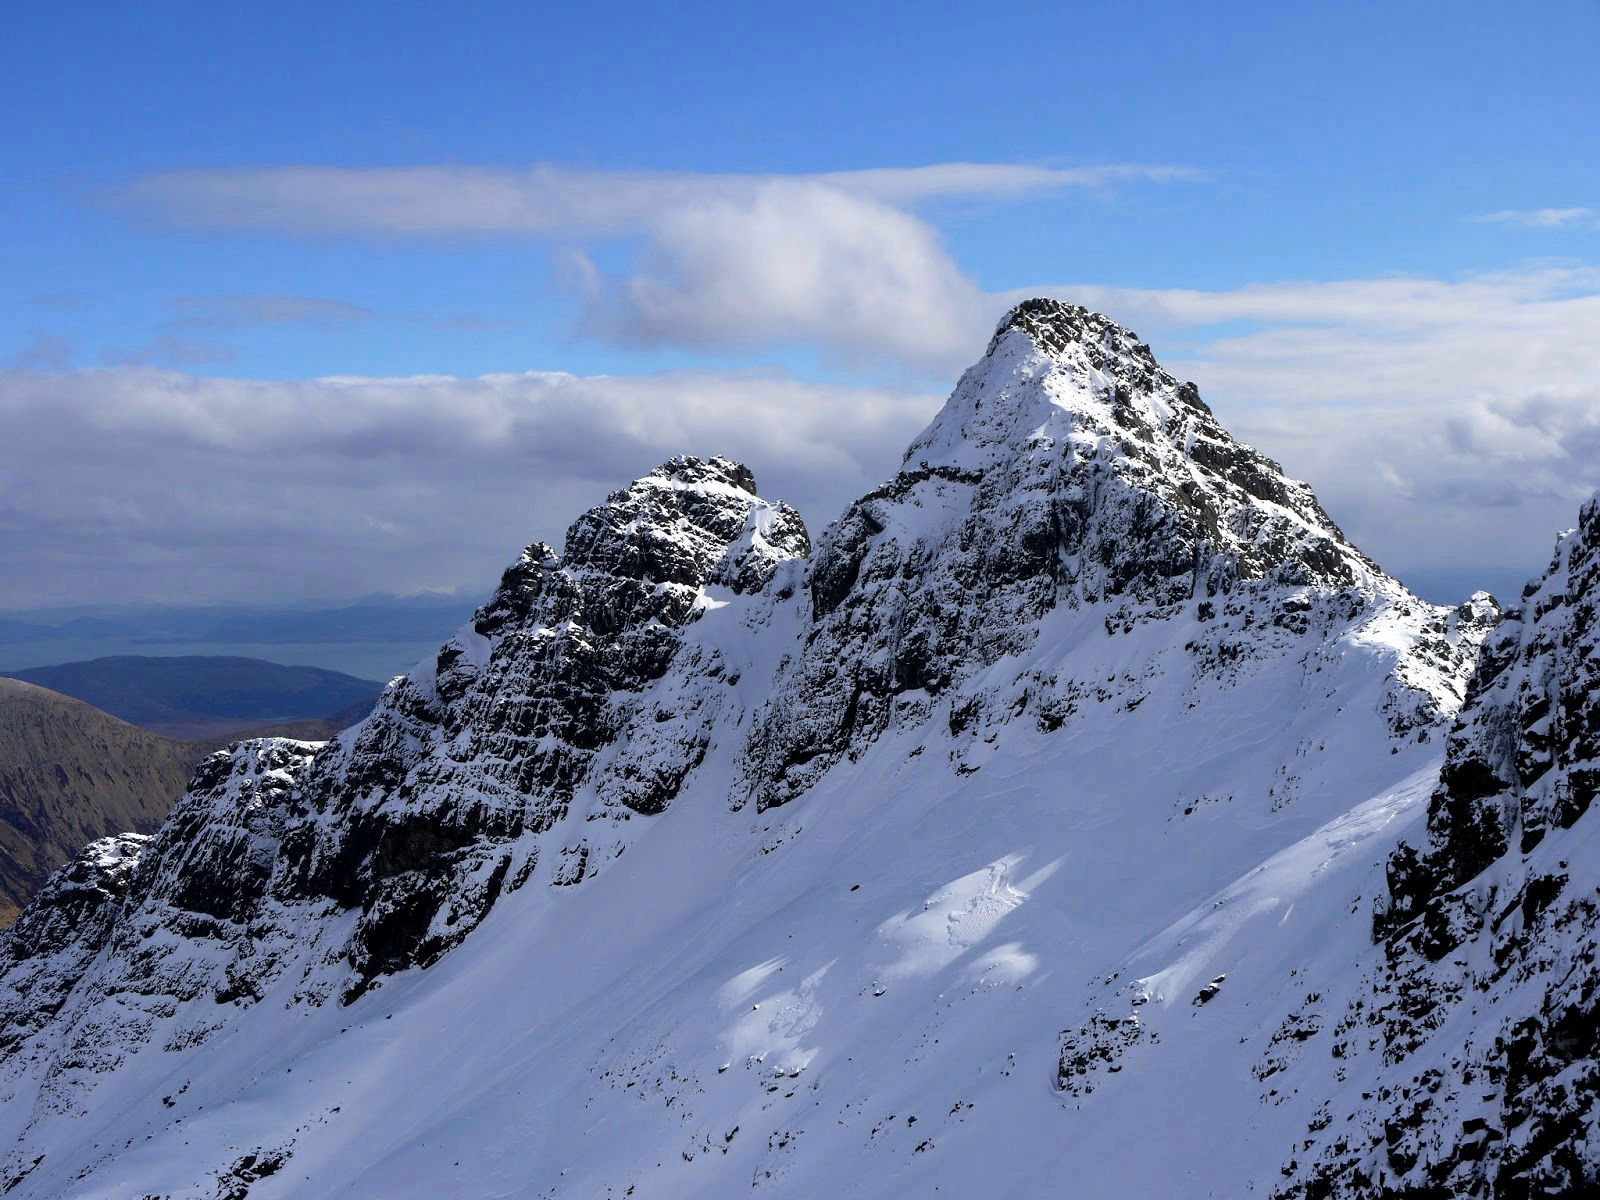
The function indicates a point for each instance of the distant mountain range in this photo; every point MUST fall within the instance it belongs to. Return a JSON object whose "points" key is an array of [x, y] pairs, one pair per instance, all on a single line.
{"points": [[197, 696], [379, 619], [376, 638]]}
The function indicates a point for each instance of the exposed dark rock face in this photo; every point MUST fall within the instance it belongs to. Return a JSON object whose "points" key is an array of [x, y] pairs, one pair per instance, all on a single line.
{"points": [[420, 818], [1496, 915], [1097, 1048], [46, 952], [71, 774], [413, 818], [1524, 759], [1068, 470], [135, 926], [1073, 541]]}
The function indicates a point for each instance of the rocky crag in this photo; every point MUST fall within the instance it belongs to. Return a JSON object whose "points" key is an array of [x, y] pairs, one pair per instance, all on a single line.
{"points": [[703, 860], [1479, 1035]]}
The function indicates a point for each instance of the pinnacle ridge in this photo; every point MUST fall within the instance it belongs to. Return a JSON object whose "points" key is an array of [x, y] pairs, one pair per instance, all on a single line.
{"points": [[1055, 325]]}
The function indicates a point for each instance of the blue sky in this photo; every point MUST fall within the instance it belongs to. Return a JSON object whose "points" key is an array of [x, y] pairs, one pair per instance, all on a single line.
{"points": [[1371, 232]]}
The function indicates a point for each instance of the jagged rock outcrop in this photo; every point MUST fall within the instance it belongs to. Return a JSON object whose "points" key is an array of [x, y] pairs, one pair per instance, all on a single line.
{"points": [[1069, 471], [71, 774], [421, 817], [412, 818], [1483, 1023], [45, 954], [1082, 663], [136, 926]]}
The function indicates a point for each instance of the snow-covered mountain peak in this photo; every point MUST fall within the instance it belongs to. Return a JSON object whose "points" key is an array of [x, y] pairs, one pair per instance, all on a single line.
{"points": [[1078, 357], [1069, 479], [646, 554], [689, 523], [696, 864], [1066, 399]]}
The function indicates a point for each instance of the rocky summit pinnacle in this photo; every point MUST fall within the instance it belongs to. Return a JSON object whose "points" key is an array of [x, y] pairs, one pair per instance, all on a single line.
{"points": [[1065, 790], [1068, 470], [1101, 400], [1056, 326]]}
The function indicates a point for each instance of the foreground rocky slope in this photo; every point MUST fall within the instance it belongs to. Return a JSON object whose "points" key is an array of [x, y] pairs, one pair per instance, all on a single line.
{"points": [[1033, 819], [1479, 1036]]}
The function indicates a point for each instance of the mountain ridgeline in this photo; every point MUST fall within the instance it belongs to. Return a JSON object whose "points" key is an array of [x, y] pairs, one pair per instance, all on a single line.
{"points": [[1081, 802]]}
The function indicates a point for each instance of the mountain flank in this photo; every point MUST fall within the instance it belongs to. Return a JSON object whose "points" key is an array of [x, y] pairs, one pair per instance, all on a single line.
{"points": [[70, 773], [1079, 813]]}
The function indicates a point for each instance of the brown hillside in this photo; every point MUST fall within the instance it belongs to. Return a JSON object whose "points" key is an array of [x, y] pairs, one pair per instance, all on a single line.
{"points": [[70, 773]]}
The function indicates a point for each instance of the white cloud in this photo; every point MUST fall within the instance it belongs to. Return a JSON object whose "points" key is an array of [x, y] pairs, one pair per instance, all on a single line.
{"points": [[795, 264], [551, 201], [1544, 218], [1397, 303], [833, 261], [1444, 423], [139, 484]]}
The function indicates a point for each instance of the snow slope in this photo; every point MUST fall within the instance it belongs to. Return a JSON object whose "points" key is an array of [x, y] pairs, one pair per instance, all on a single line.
{"points": [[1021, 839]]}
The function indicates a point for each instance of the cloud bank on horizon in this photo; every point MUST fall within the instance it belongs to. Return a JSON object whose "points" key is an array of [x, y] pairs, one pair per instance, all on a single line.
{"points": [[1474, 401]]}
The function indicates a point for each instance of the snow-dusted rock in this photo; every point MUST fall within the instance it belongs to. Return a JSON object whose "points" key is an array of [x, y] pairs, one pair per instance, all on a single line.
{"points": [[419, 816], [1068, 471], [1481, 1027], [1037, 808], [138, 927], [46, 952]]}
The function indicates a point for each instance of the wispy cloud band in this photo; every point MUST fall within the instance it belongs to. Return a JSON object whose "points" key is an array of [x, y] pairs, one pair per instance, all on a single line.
{"points": [[1544, 218], [553, 201], [1470, 405], [836, 261]]}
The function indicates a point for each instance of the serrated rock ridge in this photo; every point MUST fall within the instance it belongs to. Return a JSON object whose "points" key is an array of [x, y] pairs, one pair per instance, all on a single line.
{"points": [[1069, 471], [704, 860]]}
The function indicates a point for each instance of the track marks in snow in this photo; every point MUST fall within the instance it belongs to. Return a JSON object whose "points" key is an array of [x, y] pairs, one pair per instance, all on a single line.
{"points": [[957, 917]]}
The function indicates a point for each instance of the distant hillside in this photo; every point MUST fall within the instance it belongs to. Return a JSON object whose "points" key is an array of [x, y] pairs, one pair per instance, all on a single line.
{"points": [[198, 697], [69, 774]]}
